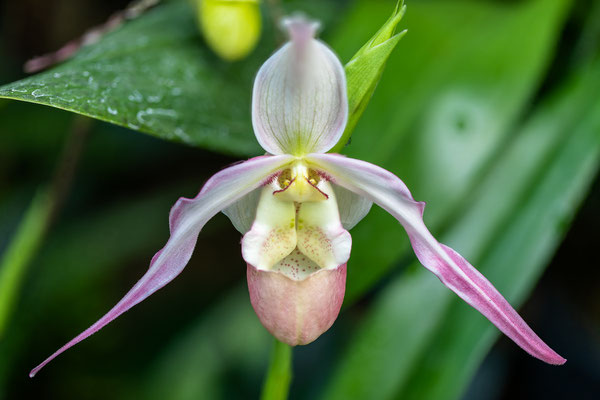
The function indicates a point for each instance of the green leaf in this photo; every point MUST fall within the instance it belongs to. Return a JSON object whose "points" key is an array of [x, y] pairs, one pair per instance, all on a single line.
{"points": [[454, 88], [20, 251], [534, 190], [525, 239], [364, 70], [155, 75]]}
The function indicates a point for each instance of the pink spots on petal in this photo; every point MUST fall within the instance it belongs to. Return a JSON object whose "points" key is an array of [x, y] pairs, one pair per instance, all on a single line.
{"points": [[296, 266], [315, 244]]}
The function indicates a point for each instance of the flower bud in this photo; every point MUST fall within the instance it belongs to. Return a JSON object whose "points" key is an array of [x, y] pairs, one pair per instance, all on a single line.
{"points": [[296, 311], [231, 28]]}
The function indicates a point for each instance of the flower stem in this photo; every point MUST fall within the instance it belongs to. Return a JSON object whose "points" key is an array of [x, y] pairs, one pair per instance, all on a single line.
{"points": [[279, 375]]}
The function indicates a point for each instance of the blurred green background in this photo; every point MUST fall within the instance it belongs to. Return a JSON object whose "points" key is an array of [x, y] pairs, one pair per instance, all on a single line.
{"points": [[488, 110]]}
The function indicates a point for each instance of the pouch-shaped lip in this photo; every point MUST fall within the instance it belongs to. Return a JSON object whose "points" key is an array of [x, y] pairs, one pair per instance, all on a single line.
{"points": [[297, 312]]}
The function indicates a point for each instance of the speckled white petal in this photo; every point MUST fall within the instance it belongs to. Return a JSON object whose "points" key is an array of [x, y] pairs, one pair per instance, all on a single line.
{"points": [[299, 103], [321, 236], [273, 233]]}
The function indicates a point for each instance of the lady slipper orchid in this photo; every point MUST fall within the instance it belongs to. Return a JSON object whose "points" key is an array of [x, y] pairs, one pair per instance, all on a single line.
{"points": [[295, 206]]}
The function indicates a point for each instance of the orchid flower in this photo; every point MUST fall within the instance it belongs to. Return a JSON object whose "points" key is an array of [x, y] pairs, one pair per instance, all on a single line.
{"points": [[295, 205]]}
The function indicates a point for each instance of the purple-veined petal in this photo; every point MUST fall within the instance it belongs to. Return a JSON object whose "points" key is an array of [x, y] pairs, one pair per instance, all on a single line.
{"points": [[186, 219], [389, 192], [299, 102], [353, 207]]}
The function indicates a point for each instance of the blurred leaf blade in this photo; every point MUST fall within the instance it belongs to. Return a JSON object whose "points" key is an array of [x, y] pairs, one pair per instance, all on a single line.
{"points": [[451, 334], [522, 248], [197, 360], [20, 251]]}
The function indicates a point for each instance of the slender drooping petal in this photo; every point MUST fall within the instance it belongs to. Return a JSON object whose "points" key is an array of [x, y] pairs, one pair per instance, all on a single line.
{"points": [[389, 192], [187, 218], [299, 103]]}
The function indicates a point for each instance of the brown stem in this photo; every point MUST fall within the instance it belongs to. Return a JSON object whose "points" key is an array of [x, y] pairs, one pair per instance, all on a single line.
{"points": [[93, 35], [67, 164]]}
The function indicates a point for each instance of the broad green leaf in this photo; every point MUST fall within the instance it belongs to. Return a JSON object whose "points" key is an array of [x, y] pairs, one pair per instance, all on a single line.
{"points": [[421, 341], [155, 75], [453, 88], [364, 70]]}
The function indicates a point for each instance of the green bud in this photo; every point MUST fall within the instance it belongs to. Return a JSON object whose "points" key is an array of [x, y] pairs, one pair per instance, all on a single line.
{"points": [[230, 27]]}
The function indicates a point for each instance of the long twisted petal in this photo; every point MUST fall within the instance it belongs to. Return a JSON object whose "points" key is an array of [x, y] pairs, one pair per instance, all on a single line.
{"points": [[187, 218], [389, 192]]}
